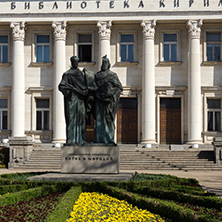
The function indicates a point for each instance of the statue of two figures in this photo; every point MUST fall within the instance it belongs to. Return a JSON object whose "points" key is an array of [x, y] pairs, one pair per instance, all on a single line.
{"points": [[86, 93]]}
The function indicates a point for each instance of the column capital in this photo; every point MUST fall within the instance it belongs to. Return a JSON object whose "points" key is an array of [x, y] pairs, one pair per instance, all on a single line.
{"points": [[59, 30], [104, 29], [148, 29], [194, 28], [18, 31]]}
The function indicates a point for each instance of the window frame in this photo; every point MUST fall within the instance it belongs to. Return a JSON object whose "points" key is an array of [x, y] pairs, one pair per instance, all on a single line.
{"points": [[178, 59], [118, 52], [34, 48], [205, 61], [127, 44], [75, 40], [42, 111], [214, 110], [1, 116], [40, 93], [7, 33], [83, 44]]}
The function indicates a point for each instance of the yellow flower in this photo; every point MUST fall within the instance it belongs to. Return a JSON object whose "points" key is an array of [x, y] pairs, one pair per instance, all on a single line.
{"points": [[101, 207]]}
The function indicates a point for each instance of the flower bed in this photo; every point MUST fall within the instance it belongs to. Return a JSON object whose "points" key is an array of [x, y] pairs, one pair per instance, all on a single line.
{"points": [[173, 198], [36, 209], [99, 207]]}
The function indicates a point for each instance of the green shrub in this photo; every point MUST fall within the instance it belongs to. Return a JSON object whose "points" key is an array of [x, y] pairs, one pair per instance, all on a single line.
{"points": [[4, 157], [65, 206], [26, 195], [12, 188], [209, 202]]}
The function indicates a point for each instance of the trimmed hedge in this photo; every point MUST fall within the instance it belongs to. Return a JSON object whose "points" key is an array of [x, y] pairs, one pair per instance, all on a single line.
{"points": [[209, 202], [163, 208], [25, 195], [12, 188], [65, 206]]}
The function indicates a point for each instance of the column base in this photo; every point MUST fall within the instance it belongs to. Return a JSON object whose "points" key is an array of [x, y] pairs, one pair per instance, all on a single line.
{"points": [[190, 142], [147, 143], [55, 141], [194, 143]]}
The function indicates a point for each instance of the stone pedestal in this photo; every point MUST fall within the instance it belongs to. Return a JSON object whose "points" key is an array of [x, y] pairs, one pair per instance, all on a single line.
{"points": [[217, 142], [90, 159], [19, 150]]}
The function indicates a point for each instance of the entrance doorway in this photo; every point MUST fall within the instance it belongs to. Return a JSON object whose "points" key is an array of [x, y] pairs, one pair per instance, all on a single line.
{"points": [[90, 131], [170, 120], [127, 121]]}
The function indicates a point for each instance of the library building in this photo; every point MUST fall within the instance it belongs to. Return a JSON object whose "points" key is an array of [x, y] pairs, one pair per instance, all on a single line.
{"points": [[166, 53]]}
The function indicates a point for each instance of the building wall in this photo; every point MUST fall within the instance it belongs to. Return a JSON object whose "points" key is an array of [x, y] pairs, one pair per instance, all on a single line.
{"points": [[171, 78]]}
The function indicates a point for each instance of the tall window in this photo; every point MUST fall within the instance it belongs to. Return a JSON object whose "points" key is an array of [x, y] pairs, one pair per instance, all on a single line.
{"points": [[213, 46], [3, 48], [170, 47], [85, 48], [127, 47], [42, 48], [42, 114], [214, 115], [3, 114]]}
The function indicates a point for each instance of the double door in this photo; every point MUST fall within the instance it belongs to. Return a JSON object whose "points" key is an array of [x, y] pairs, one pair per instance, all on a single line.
{"points": [[170, 121]]}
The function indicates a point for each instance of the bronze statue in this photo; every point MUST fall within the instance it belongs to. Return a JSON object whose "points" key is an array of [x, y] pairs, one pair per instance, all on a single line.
{"points": [[74, 88], [106, 103]]}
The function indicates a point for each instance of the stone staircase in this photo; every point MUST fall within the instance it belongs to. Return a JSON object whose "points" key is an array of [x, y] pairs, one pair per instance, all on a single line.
{"points": [[165, 159], [48, 158], [45, 158]]}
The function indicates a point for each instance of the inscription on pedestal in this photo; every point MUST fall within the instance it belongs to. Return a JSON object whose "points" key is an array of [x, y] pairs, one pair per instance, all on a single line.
{"points": [[90, 159]]}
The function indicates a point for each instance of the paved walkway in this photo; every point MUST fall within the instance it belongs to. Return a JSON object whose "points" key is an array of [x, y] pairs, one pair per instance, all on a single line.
{"points": [[211, 180]]}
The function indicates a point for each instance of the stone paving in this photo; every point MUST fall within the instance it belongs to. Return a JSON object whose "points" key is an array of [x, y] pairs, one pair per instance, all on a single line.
{"points": [[211, 180]]}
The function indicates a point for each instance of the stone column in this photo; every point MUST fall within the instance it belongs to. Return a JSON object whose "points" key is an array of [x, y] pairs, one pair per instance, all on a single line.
{"points": [[194, 84], [59, 68], [18, 80], [148, 84], [104, 40]]}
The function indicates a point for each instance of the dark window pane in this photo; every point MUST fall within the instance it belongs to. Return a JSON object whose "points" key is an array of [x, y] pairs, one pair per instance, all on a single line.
{"points": [[169, 37], [213, 103], [39, 120], [209, 52], [85, 53], [42, 103], [46, 120], [43, 39], [126, 38], [217, 121], [130, 53], [84, 38], [3, 39], [39, 53], [5, 53], [170, 103], [173, 52], [5, 120], [123, 53], [46, 54], [127, 103], [4, 103], [166, 52], [210, 121], [213, 37], [216, 52]]}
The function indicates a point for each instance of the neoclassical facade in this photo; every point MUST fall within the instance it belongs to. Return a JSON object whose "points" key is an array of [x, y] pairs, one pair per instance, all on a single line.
{"points": [[167, 54]]}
